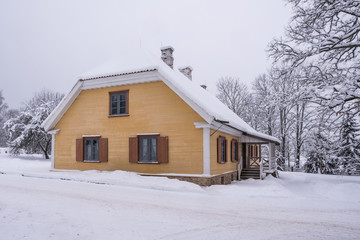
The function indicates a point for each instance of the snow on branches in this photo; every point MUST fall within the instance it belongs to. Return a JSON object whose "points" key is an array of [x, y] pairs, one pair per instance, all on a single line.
{"points": [[349, 149], [324, 38], [25, 131]]}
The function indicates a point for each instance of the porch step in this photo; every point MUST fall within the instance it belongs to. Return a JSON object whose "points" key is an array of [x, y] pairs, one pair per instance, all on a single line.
{"points": [[247, 173]]}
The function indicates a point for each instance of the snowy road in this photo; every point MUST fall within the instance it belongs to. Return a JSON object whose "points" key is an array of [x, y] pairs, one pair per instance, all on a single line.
{"points": [[297, 206]]}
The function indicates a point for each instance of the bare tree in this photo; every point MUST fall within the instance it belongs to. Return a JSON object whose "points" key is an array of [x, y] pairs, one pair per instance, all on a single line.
{"points": [[235, 94]]}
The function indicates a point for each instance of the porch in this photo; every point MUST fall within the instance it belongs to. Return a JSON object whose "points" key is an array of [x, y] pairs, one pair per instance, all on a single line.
{"points": [[258, 161]]}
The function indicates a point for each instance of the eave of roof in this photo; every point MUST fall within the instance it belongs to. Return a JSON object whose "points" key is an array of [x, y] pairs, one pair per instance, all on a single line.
{"points": [[119, 74]]}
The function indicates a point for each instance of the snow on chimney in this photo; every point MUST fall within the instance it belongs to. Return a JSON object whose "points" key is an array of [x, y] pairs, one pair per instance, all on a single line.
{"points": [[166, 55], [186, 71]]}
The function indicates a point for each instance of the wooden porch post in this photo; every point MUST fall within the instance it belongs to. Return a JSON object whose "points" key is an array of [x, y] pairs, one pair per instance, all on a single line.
{"points": [[259, 149]]}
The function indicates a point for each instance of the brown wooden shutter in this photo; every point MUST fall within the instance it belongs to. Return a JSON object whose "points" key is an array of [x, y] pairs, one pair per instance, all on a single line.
{"points": [[219, 149], [103, 149], [133, 150], [163, 149], [79, 150], [226, 150], [234, 153], [232, 150], [238, 151]]}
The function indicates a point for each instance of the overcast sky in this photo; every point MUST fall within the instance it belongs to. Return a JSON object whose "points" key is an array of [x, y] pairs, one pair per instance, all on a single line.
{"points": [[47, 44]]}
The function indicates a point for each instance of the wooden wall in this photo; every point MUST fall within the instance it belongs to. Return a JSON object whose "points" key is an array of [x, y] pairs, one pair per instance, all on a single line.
{"points": [[153, 108], [218, 168]]}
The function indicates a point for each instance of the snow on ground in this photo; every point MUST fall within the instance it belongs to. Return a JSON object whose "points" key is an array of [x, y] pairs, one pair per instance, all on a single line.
{"points": [[38, 204]]}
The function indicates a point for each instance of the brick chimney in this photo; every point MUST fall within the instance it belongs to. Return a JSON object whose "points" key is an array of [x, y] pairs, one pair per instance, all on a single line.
{"points": [[186, 71], [166, 55]]}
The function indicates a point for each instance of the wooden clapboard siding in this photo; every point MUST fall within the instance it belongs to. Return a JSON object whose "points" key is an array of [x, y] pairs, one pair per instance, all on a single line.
{"points": [[154, 108], [215, 167]]}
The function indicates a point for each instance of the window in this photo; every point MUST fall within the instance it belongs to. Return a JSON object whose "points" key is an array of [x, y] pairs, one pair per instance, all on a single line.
{"points": [[253, 150], [221, 149], [149, 149], [92, 149], [234, 150], [119, 103]]}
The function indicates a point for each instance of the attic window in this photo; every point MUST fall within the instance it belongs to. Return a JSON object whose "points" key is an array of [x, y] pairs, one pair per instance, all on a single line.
{"points": [[119, 103]]}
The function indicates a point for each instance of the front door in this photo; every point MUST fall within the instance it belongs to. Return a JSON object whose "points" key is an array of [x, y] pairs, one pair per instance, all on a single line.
{"points": [[253, 155], [244, 165]]}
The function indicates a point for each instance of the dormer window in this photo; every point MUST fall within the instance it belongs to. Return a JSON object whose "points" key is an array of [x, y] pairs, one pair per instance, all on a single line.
{"points": [[119, 103]]}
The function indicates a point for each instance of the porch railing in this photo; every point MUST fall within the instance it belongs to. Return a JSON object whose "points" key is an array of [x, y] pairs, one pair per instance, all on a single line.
{"points": [[254, 161], [267, 165]]}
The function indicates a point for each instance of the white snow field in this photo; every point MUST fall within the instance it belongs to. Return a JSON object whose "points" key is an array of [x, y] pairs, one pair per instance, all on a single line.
{"points": [[36, 203]]}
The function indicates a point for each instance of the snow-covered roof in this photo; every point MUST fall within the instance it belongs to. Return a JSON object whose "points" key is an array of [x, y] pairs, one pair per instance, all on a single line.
{"points": [[202, 101], [130, 62]]}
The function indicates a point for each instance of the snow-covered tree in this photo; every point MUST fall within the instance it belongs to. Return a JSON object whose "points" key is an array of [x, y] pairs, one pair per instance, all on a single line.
{"points": [[284, 105], [320, 158], [283, 94], [265, 106], [25, 131], [324, 37], [3, 116], [322, 145], [304, 114], [349, 149]]}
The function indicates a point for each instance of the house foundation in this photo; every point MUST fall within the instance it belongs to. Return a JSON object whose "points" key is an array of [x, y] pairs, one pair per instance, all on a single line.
{"points": [[220, 179]]}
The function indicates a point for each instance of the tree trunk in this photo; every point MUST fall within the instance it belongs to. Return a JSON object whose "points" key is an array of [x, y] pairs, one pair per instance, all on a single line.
{"points": [[283, 137], [46, 155], [299, 133], [46, 148], [269, 123]]}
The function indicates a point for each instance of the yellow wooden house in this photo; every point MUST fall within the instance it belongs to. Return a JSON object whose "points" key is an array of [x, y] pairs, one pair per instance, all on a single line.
{"points": [[141, 114]]}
